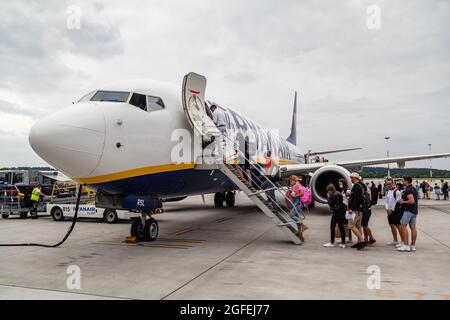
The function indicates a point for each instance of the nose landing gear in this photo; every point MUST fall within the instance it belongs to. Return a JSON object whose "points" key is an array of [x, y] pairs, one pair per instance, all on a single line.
{"points": [[145, 229]]}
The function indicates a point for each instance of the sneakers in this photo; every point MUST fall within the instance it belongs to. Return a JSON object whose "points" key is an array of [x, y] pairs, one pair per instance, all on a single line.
{"points": [[361, 245], [404, 248], [349, 241], [343, 246], [372, 242], [392, 243], [329, 245], [412, 248], [399, 245]]}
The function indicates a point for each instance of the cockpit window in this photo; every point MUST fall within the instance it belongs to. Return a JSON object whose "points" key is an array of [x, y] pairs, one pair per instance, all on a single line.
{"points": [[139, 101], [87, 97], [154, 104], [112, 96]]}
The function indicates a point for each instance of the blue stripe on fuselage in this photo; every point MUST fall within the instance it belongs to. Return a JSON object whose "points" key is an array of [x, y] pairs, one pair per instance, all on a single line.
{"points": [[171, 184]]}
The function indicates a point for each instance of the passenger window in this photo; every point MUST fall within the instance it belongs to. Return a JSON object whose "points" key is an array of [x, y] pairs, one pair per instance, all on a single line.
{"points": [[138, 100], [154, 104]]}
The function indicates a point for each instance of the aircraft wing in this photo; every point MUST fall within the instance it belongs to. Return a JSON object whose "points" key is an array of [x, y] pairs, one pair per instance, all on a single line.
{"points": [[319, 153], [311, 167]]}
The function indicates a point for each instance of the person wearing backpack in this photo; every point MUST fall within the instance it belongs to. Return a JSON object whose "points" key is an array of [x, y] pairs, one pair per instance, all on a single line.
{"points": [[393, 209], [354, 211], [336, 203], [445, 189], [367, 213], [297, 192]]}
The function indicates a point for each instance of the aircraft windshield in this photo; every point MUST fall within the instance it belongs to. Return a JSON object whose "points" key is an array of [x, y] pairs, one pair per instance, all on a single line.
{"points": [[112, 96]]}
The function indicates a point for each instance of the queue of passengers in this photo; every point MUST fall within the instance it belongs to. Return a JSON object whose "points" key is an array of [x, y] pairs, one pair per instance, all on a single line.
{"points": [[352, 210]]}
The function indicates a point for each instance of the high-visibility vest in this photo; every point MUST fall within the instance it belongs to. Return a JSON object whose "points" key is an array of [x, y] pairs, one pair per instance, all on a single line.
{"points": [[35, 194]]}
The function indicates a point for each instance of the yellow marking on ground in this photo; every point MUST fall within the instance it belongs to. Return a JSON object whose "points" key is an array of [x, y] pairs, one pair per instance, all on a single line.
{"points": [[183, 240]]}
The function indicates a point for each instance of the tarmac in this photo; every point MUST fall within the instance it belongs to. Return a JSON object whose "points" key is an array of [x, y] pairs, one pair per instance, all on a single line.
{"points": [[223, 253]]}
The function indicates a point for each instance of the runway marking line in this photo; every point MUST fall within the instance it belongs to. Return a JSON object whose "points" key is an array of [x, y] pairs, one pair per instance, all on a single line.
{"points": [[146, 245], [182, 231], [222, 220], [439, 209]]}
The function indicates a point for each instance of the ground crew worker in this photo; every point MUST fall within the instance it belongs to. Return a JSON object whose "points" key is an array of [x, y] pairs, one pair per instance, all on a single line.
{"points": [[35, 198]]}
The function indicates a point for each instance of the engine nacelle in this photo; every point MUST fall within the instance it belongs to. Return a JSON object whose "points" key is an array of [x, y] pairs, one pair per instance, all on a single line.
{"points": [[323, 177]]}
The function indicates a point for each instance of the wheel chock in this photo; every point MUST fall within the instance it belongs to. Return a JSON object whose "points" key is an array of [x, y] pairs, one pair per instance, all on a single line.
{"points": [[131, 240]]}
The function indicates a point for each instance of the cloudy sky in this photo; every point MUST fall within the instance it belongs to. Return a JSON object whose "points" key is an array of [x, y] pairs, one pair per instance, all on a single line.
{"points": [[356, 84]]}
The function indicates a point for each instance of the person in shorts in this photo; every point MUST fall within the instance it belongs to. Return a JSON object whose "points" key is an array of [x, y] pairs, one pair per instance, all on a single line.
{"points": [[410, 211], [393, 210], [366, 214]]}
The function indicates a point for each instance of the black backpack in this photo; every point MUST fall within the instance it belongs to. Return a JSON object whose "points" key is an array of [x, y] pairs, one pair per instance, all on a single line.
{"points": [[398, 206], [366, 200]]}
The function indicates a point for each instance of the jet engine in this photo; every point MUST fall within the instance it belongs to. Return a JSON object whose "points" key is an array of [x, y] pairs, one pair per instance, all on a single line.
{"points": [[323, 177]]}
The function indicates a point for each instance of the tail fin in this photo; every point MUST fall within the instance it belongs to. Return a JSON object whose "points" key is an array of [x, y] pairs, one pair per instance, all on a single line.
{"points": [[293, 136]]}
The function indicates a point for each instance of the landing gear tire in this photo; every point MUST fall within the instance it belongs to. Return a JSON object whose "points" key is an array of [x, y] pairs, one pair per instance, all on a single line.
{"points": [[23, 215], [57, 214], [5, 216], [218, 199], [149, 232], [230, 199], [110, 216]]}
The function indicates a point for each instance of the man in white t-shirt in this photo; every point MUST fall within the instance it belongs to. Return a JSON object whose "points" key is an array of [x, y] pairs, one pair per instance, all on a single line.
{"points": [[392, 203]]}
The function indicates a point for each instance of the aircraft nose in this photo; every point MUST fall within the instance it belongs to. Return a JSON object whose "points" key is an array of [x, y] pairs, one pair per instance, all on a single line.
{"points": [[71, 140]]}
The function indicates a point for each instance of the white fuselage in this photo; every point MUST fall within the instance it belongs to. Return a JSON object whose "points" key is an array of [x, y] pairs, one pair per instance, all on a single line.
{"points": [[118, 147]]}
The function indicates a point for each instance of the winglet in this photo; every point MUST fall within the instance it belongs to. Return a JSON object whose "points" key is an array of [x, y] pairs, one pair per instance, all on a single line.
{"points": [[293, 136]]}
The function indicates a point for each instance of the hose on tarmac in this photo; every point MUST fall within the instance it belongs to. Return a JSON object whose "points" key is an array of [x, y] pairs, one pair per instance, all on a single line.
{"points": [[72, 226]]}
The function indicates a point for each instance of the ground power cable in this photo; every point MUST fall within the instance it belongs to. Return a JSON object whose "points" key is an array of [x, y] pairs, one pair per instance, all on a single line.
{"points": [[72, 226]]}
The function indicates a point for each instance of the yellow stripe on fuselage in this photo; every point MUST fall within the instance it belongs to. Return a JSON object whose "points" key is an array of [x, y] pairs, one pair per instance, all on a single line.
{"points": [[135, 173], [144, 171]]}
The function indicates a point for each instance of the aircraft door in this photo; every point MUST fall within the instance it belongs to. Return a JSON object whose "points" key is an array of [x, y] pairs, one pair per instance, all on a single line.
{"points": [[193, 96]]}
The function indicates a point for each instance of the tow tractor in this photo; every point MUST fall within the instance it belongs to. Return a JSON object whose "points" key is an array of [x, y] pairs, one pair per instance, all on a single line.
{"points": [[62, 205]]}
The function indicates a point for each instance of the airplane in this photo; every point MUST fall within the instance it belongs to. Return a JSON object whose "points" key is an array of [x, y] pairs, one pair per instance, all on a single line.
{"points": [[119, 139]]}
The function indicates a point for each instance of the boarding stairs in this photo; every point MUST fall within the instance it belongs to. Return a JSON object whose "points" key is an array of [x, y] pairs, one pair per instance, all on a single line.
{"points": [[276, 212], [195, 108]]}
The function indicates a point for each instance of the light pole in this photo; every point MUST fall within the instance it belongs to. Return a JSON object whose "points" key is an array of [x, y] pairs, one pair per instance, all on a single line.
{"points": [[387, 152], [431, 166]]}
